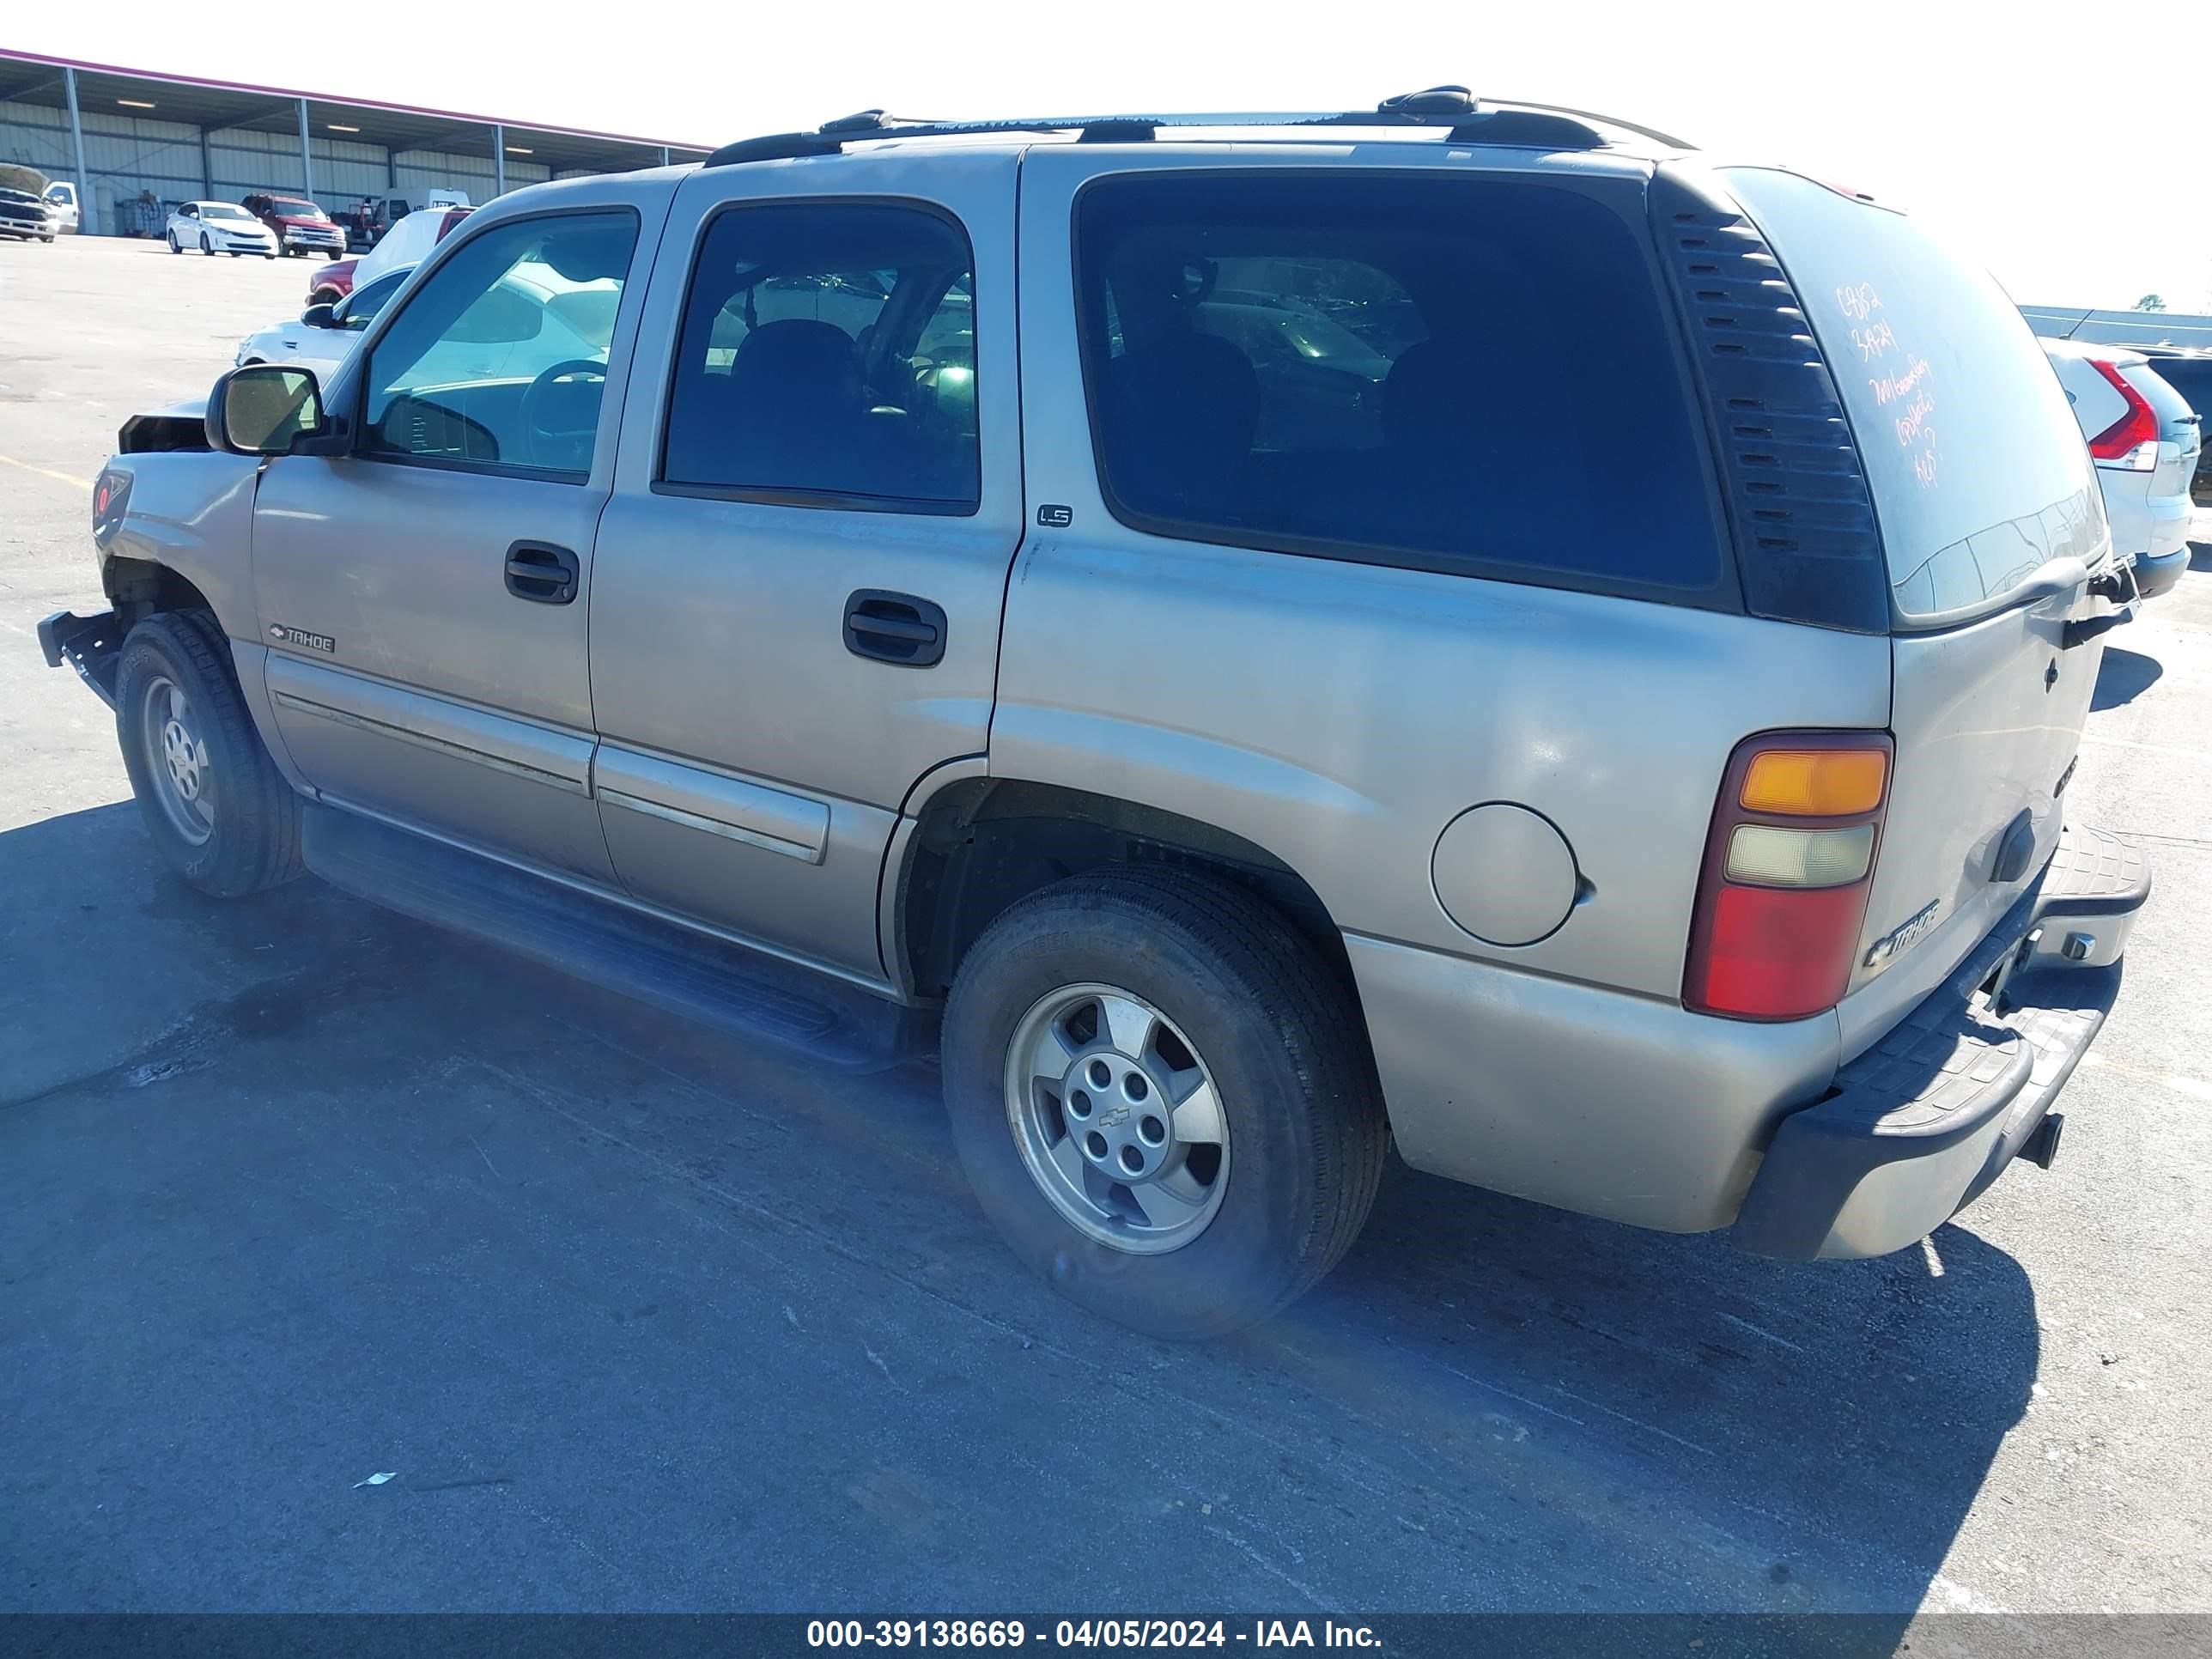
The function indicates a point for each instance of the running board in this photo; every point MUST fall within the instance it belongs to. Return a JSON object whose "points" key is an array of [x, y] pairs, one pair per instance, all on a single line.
{"points": [[689, 974]]}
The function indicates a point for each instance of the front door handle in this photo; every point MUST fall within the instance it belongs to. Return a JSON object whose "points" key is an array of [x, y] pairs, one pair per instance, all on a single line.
{"points": [[542, 571], [895, 628]]}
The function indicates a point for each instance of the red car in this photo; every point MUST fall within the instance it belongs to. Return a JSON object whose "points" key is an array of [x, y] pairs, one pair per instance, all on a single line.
{"points": [[328, 284]]}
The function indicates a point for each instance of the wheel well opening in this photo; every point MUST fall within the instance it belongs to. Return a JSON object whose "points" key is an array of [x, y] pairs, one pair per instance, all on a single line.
{"points": [[138, 587], [983, 844]]}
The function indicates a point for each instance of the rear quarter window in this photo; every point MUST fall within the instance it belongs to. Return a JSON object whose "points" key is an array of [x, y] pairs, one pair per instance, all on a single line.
{"points": [[1972, 455], [1447, 370]]}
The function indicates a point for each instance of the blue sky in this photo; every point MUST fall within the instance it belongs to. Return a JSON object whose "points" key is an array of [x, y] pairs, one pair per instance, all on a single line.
{"points": [[2077, 174]]}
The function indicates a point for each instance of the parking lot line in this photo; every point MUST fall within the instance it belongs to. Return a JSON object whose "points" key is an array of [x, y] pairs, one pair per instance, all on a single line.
{"points": [[47, 472]]}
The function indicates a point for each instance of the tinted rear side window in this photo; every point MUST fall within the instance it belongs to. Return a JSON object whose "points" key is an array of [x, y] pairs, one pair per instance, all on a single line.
{"points": [[1978, 470], [828, 359], [1448, 371]]}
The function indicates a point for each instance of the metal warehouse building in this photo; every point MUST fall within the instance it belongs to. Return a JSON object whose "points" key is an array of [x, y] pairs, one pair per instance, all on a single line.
{"points": [[118, 132]]}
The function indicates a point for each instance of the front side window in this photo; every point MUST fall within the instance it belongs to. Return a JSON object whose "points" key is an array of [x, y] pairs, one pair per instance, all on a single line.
{"points": [[1452, 370], [500, 357], [827, 358]]}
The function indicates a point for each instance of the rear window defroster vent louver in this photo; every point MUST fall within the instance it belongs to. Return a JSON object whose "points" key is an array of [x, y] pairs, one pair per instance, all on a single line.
{"points": [[1808, 547]]}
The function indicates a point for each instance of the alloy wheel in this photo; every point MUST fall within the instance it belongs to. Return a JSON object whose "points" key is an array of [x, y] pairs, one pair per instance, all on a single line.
{"points": [[176, 755], [1117, 1118]]}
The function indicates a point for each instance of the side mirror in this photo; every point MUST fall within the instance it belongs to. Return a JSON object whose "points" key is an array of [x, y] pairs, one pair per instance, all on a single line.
{"points": [[260, 409], [324, 315]]}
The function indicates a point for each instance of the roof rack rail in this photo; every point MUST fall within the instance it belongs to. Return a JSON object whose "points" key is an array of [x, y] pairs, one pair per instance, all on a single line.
{"points": [[1470, 121]]}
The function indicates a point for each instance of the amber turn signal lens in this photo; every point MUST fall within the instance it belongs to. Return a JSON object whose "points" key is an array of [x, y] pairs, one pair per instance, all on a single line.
{"points": [[1815, 783]]}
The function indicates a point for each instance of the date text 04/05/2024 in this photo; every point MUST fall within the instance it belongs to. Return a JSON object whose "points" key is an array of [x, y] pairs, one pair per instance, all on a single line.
{"points": [[1084, 1633]]}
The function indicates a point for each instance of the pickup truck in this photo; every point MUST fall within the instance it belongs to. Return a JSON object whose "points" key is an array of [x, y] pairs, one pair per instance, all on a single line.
{"points": [[298, 224], [1450, 625]]}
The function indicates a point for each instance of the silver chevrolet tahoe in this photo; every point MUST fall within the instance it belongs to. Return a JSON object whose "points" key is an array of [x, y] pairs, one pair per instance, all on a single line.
{"points": [[1463, 623]]}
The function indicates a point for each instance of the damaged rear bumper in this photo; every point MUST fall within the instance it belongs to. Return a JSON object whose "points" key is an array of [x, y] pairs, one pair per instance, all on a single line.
{"points": [[1917, 1128]]}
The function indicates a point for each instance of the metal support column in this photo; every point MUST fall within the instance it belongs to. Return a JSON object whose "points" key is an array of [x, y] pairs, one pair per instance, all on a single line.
{"points": [[499, 160], [207, 166], [306, 157], [88, 211], [664, 155]]}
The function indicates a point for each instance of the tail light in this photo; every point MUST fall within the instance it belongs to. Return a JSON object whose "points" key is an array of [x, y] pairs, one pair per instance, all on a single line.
{"points": [[2131, 441], [1788, 866]]}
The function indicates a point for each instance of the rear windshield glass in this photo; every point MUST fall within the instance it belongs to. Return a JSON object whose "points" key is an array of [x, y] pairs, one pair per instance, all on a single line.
{"points": [[1978, 469], [1458, 373]]}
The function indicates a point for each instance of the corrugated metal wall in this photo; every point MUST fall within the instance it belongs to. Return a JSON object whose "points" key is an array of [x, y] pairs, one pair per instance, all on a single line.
{"points": [[126, 154]]}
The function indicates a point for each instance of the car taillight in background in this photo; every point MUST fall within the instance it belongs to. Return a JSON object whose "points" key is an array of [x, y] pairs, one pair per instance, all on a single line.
{"points": [[1787, 868], [2131, 441]]}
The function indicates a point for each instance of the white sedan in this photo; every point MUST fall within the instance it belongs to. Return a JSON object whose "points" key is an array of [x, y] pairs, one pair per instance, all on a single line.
{"points": [[216, 227], [323, 336], [530, 318]]}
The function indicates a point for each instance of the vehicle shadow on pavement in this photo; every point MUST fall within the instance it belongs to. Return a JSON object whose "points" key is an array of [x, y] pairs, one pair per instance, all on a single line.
{"points": [[618, 1297], [2123, 677]]}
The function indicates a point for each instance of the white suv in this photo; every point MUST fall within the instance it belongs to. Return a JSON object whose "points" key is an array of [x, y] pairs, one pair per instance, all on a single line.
{"points": [[2144, 436]]}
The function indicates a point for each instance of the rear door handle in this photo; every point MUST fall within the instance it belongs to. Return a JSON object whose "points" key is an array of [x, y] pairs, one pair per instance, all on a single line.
{"points": [[895, 628], [542, 571]]}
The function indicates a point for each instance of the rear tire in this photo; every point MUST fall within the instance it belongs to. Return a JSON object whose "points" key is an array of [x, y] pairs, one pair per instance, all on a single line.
{"points": [[1272, 1033], [213, 801]]}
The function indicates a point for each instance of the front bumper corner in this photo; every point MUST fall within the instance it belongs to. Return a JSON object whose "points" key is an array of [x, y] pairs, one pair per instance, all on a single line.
{"points": [[88, 644]]}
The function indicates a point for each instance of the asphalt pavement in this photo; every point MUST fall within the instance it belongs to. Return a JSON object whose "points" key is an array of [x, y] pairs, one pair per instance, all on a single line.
{"points": [[295, 1193]]}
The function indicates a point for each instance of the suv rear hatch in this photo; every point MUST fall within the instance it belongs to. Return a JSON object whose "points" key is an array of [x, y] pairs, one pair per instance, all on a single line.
{"points": [[2180, 433], [1984, 494]]}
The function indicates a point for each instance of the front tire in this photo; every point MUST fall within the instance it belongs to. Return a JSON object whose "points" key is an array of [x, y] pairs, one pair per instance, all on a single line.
{"points": [[206, 246], [174, 245], [212, 800], [1163, 1098]]}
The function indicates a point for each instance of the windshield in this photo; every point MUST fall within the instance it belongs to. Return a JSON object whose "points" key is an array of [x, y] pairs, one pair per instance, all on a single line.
{"points": [[222, 211], [292, 208]]}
